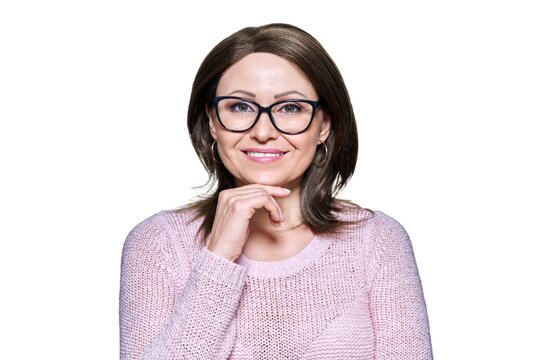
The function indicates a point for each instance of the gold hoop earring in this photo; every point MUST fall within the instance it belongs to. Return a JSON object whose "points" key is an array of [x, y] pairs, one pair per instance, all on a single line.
{"points": [[212, 150], [321, 163]]}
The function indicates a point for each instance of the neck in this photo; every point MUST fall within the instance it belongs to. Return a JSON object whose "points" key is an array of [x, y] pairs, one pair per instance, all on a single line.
{"points": [[290, 207]]}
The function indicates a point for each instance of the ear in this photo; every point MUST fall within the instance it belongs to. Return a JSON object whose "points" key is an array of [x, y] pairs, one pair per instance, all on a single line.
{"points": [[326, 126], [211, 121]]}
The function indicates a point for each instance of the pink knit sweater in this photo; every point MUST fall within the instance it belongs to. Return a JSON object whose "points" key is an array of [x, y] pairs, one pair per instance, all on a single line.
{"points": [[356, 295]]}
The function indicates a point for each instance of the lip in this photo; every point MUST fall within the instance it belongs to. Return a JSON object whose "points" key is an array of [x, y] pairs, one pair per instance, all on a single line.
{"points": [[264, 159]]}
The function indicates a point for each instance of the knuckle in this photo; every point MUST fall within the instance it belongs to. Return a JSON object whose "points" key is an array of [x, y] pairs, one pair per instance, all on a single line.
{"points": [[222, 196], [237, 206]]}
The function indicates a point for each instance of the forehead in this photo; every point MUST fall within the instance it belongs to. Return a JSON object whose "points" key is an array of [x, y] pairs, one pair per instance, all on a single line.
{"points": [[264, 74]]}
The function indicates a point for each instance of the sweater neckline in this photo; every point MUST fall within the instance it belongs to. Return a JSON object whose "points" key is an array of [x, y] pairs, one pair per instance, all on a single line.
{"points": [[272, 269]]}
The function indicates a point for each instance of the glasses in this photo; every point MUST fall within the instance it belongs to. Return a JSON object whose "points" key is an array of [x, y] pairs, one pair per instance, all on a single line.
{"points": [[291, 117]]}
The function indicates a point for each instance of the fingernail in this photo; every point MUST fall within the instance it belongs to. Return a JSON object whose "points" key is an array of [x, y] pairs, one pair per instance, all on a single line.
{"points": [[285, 190]]}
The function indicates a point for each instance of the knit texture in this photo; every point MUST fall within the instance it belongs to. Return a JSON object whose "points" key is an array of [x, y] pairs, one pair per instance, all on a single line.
{"points": [[355, 295]]}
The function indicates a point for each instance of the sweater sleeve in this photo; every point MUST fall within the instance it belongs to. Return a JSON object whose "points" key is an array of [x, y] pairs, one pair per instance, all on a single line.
{"points": [[164, 318], [397, 305]]}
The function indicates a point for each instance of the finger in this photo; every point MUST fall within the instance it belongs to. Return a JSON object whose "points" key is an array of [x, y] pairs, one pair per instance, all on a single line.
{"points": [[244, 192], [272, 190], [257, 200], [274, 210], [237, 194]]}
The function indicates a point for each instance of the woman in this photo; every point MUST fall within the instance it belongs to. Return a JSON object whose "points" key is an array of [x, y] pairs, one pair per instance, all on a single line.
{"points": [[271, 265]]}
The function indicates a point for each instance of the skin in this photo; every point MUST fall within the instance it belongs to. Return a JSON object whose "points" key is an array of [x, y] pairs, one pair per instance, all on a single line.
{"points": [[260, 217]]}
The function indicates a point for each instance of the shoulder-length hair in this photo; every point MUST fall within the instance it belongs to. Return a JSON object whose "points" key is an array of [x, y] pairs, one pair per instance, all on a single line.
{"points": [[330, 170]]}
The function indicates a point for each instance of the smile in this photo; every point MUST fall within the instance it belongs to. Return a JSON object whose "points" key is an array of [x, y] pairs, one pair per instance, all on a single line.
{"points": [[264, 155], [259, 155]]}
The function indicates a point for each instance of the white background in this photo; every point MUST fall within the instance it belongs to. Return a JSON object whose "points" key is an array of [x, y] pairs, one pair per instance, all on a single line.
{"points": [[93, 139]]}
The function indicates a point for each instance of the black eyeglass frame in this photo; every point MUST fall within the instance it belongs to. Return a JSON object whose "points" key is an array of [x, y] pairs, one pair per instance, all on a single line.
{"points": [[314, 104]]}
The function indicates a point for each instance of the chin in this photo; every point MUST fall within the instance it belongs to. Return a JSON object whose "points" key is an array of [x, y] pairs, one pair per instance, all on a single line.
{"points": [[268, 180], [265, 181]]}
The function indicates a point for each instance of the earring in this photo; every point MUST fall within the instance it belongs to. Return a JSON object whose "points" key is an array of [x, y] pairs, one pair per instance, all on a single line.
{"points": [[212, 150], [321, 163]]}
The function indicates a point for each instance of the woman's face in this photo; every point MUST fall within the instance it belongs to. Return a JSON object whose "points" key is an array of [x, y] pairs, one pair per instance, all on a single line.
{"points": [[264, 155]]}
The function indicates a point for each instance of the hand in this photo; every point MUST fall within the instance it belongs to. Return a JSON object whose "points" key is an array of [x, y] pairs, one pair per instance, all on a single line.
{"points": [[234, 210]]}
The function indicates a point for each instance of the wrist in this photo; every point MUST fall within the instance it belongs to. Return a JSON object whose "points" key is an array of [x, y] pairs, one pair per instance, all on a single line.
{"points": [[227, 254]]}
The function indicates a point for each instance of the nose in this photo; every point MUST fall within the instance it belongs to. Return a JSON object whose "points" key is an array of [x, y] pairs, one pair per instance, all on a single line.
{"points": [[264, 130]]}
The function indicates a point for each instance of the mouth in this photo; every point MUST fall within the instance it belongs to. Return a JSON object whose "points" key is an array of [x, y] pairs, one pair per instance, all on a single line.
{"points": [[264, 155]]}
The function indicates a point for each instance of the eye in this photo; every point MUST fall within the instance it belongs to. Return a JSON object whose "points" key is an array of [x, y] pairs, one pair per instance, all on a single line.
{"points": [[290, 108], [241, 107]]}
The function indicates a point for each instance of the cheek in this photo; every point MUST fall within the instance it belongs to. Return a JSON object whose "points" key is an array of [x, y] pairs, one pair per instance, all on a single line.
{"points": [[306, 149], [306, 142], [311, 153], [226, 142]]}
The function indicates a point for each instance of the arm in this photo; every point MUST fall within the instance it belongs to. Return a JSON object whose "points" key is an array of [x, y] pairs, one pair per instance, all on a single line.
{"points": [[397, 305], [162, 317]]}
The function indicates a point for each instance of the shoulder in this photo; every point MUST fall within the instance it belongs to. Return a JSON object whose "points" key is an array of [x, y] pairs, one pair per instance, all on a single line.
{"points": [[387, 241], [166, 228], [358, 217], [363, 218], [385, 226], [382, 239], [377, 230]]}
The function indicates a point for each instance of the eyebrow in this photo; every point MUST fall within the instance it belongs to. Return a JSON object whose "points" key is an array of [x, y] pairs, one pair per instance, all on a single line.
{"points": [[275, 96], [243, 92], [289, 93]]}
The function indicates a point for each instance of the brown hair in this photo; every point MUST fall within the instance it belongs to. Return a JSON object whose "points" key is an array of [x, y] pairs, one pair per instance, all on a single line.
{"points": [[320, 182]]}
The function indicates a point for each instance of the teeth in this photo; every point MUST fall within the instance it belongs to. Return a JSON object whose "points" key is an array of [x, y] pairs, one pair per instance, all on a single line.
{"points": [[258, 154]]}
